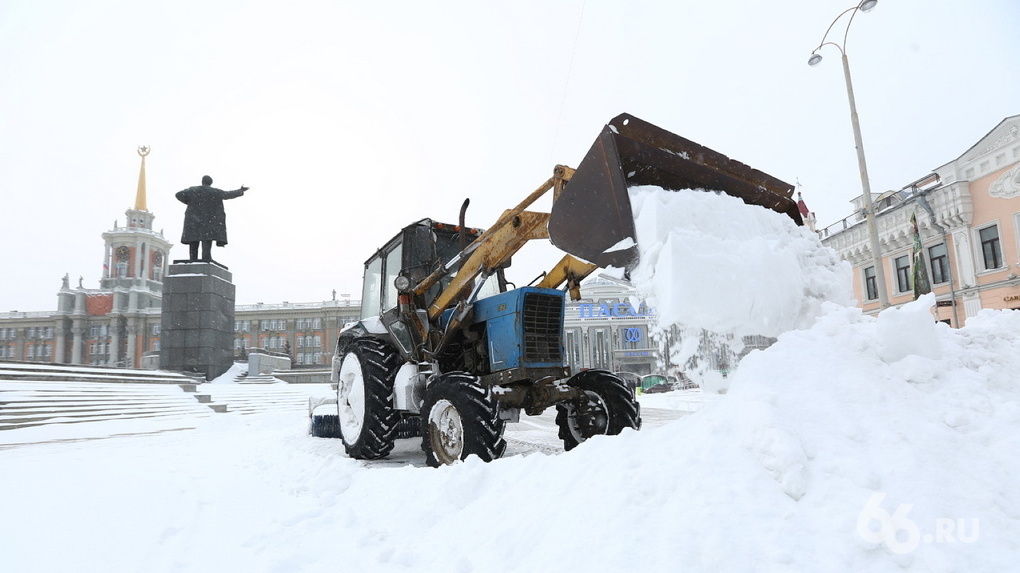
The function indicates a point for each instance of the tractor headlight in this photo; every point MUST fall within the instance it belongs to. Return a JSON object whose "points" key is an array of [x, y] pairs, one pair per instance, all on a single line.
{"points": [[402, 283]]}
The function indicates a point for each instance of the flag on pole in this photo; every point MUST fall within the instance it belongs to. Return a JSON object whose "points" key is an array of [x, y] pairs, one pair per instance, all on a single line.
{"points": [[920, 269]]}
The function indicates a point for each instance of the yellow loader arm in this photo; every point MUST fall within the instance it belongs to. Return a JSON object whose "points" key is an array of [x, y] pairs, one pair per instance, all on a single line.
{"points": [[591, 212]]}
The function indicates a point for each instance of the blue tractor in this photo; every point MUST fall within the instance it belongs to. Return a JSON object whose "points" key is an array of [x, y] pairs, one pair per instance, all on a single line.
{"points": [[448, 350]]}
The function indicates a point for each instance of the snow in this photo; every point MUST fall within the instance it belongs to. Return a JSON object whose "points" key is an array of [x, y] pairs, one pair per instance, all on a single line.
{"points": [[708, 261], [853, 443], [623, 244]]}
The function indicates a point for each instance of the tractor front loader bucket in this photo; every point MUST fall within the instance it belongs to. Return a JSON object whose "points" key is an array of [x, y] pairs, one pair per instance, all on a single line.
{"points": [[592, 218]]}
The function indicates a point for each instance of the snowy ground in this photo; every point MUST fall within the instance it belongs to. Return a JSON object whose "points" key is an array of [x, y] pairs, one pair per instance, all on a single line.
{"points": [[257, 493], [823, 443], [852, 444]]}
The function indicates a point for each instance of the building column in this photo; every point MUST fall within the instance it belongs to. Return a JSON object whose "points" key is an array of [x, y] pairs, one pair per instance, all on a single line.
{"points": [[139, 260], [108, 260], [114, 340], [58, 333], [78, 330], [132, 343]]}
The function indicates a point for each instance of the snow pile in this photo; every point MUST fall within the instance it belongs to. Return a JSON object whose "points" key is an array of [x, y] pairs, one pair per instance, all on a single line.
{"points": [[709, 261], [827, 454]]}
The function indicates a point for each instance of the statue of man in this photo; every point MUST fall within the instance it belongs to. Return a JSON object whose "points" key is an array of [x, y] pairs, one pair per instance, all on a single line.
{"points": [[204, 219]]}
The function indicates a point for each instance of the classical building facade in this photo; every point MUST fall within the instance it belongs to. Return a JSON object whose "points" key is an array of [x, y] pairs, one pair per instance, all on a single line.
{"points": [[112, 325], [118, 324], [609, 329], [968, 219], [306, 332]]}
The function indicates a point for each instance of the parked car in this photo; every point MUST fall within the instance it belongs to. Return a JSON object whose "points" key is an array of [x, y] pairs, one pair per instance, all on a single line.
{"points": [[657, 383]]}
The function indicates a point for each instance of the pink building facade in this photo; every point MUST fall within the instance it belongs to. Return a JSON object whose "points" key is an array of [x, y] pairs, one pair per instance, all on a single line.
{"points": [[968, 216]]}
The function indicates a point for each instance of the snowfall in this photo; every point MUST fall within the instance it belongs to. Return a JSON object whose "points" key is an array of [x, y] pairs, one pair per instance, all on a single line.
{"points": [[853, 443]]}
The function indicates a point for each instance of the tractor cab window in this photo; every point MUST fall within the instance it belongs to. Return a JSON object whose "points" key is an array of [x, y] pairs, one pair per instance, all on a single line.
{"points": [[370, 296], [490, 288], [391, 270]]}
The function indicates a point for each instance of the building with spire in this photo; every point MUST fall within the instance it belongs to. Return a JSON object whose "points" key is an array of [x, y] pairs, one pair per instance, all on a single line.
{"points": [[118, 324], [115, 324]]}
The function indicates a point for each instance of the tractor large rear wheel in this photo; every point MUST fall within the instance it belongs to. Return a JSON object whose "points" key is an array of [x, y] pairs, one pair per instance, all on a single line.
{"points": [[366, 418], [461, 418], [607, 408]]}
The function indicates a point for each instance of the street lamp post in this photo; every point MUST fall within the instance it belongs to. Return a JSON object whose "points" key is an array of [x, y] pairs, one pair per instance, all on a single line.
{"points": [[869, 209]]}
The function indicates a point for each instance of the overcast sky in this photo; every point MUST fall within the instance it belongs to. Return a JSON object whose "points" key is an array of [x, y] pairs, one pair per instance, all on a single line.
{"points": [[349, 120]]}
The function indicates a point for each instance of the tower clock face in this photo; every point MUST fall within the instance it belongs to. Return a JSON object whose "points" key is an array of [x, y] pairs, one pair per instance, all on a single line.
{"points": [[123, 254], [157, 259]]}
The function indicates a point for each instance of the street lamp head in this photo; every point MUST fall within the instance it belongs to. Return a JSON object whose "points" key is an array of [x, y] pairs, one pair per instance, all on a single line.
{"points": [[814, 59], [867, 5]]}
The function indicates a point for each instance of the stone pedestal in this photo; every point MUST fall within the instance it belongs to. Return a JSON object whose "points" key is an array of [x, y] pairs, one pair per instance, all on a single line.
{"points": [[197, 326]]}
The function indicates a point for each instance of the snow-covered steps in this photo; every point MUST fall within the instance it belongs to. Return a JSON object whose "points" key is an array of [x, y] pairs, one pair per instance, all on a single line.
{"points": [[29, 372], [304, 376], [265, 397], [59, 411]]}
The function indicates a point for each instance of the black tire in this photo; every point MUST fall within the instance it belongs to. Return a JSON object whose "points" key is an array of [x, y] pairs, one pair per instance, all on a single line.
{"points": [[460, 418], [366, 419], [326, 426], [611, 401]]}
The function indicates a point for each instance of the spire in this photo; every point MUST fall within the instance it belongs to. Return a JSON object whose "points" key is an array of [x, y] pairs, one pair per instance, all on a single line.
{"points": [[143, 150], [802, 206]]}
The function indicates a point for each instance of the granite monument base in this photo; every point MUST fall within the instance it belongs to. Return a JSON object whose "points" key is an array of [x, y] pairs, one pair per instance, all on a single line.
{"points": [[197, 322]]}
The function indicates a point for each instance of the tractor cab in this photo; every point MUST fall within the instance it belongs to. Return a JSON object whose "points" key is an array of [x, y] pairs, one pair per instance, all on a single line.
{"points": [[416, 252]]}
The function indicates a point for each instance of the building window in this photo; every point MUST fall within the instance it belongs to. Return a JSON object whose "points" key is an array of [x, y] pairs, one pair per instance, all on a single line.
{"points": [[307, 323], [939, 257], [572, 343], [903, 273], [870, 285], [990, 248], [600, 348], [274, 324]]}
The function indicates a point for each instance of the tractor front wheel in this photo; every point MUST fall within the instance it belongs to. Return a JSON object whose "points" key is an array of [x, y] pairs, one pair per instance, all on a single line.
{"points": [[461, 418]]}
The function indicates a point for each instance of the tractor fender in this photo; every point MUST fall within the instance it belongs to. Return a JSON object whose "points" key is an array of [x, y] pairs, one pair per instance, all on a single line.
{"points": [[408, 388]]}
